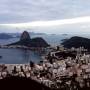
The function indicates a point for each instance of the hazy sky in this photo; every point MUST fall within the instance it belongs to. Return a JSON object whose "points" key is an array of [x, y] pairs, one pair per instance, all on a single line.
{"points": [[24, 11]]}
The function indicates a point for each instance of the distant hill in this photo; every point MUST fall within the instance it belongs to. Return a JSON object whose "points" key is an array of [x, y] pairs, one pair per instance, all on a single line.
{"points": [[27, 41], [77, 42], [39, 42], [5, 36]]}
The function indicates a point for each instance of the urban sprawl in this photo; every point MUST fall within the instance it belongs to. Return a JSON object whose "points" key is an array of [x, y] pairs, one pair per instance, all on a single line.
{"points": [[61, 68]]}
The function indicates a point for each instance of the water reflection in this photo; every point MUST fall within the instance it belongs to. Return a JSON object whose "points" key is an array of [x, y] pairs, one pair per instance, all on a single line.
{"points": [[26, 55]]}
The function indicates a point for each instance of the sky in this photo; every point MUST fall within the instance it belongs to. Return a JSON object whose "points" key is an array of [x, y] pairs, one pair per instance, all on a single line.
{"points": [[51, 12]]}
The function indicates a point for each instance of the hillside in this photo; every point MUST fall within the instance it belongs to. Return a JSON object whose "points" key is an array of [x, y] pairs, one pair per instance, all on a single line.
{"points": [[77, 42]]}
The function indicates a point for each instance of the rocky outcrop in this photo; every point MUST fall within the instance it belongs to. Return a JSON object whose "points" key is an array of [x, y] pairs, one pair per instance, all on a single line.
{"points": [[25, 36], [27, 41]]}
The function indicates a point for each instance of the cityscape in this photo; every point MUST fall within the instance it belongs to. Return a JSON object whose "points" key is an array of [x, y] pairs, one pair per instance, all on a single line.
{"points": [[45, 44]]}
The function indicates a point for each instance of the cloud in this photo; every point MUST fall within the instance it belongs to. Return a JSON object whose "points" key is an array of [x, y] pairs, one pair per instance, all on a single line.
{"points": [[51, 16], [74, 25], [51, 23], [12, 11]]}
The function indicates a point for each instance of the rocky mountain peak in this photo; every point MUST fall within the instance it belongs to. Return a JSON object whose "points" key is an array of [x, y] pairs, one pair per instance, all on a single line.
{"points": [[25, 36]]}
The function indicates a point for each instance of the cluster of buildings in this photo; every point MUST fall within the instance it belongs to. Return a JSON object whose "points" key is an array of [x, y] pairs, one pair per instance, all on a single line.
{"points": [[70, 73]]}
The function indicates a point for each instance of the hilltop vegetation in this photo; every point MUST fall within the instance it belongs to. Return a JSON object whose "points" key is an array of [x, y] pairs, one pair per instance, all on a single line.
{"points": [[77, 42]]}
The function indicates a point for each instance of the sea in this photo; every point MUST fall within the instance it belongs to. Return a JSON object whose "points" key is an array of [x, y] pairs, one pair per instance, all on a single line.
{"points": [[22, 56]]}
